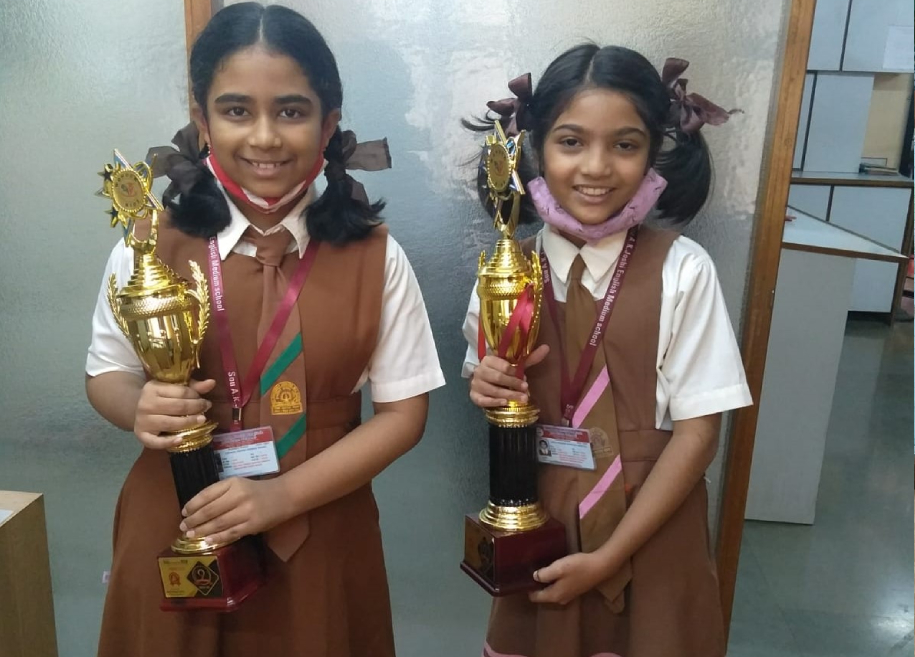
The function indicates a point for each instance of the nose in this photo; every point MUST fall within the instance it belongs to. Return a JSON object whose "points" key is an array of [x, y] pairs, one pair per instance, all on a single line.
{"points": [[264, 135], [597, 162]]}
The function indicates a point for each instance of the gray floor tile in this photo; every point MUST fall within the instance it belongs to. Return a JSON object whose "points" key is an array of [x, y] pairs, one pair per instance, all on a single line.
{"points": [[843, 586]]}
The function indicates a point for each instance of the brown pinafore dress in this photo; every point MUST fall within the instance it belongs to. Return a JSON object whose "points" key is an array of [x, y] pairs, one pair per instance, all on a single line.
{"points": [[330, 598], [671, 606]]}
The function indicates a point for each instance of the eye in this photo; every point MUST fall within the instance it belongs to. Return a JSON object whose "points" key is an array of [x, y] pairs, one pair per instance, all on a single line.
{"points": [[235, 111], [569, 142], [629, 146], [291, 113]]}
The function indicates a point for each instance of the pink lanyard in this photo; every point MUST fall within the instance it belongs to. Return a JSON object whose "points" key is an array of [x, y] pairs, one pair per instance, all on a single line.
{"points": [[241, 392], [571, 390]]}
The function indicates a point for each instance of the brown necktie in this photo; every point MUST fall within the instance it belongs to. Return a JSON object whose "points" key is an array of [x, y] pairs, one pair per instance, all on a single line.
{"points": [[602, 518], [282, 384]]}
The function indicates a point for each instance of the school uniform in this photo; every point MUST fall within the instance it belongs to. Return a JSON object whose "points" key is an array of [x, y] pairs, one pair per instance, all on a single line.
{"points": [[362, 320], [668, 353]]}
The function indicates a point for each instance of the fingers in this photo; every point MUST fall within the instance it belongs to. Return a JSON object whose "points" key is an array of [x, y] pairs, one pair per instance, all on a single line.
{"points": [[155, 441], [499, 372], [204, 498], [552, 594], [222, 513], [202, 387], [210, 511], [549, 595], [550, 573], [494, 384], [169, 408], [486, 402]]}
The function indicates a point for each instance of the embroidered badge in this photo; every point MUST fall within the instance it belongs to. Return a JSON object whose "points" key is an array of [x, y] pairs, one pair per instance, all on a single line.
{"points": [[285, 399], [600, 443]]}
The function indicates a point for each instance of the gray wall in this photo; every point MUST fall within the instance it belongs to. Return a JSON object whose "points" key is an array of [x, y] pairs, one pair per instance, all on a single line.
{"points": [[80, 78]]}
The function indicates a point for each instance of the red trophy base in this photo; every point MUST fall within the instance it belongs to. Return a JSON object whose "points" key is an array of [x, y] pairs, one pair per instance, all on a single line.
{"points": [[217, 581], [503, 562]]}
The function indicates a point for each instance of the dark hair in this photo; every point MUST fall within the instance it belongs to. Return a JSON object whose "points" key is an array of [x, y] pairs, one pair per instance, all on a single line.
{"points": [[681, 158], [335, 217]]}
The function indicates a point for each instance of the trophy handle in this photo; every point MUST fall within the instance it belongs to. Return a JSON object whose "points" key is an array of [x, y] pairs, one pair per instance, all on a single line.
{"points": [[115, 306], [202, 295], [147, 246], [537, 282]]}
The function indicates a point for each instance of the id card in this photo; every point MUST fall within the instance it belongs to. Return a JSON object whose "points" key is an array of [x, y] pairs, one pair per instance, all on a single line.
{"points": [[247, 453], [564, 446]]}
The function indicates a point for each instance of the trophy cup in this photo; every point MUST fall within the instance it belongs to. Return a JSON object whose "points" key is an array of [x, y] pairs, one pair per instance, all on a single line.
{"points": [[165, 321], [513, 536]]}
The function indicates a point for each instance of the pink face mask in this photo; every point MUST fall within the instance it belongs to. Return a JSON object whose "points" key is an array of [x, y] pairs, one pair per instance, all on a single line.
{"points": [[632, 214]]}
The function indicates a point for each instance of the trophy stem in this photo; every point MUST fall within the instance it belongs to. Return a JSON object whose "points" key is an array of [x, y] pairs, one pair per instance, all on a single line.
{"points": [[513, 504], [193, 471], [194, 462]]}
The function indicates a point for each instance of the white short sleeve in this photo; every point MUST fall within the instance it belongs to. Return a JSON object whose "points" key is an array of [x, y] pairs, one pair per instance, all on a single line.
{"points": [[109, 349], [699, 366], [405, 362]]}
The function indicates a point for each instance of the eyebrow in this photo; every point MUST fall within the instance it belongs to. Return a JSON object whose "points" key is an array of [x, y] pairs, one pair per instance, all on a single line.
{"points": [[289, 99], [622, 132]]}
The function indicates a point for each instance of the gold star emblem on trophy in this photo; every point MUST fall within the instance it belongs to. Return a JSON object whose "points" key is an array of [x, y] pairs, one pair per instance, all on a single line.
{"points": [[130, 189], [501, 156]]}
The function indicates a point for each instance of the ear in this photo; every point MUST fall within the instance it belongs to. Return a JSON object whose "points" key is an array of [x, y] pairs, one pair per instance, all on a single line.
{"points": [[331, 121], [198, 118]]}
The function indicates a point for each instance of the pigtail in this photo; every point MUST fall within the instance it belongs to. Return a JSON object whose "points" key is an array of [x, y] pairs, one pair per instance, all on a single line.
{"points": [[337, 217], [686, 165], [195, 203], [203, 211]]}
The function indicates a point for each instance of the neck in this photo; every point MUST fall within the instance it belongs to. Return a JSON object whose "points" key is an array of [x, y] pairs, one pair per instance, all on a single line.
{"points": [[577, 241], [264, 220]]}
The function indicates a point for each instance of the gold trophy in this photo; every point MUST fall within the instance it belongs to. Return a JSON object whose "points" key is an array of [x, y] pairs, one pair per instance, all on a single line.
{"points": [[165, 321], [513, 536]]}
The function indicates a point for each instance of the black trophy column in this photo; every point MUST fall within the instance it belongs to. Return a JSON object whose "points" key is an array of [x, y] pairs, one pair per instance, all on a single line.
{"points": [[193, 471], [512, 465]]}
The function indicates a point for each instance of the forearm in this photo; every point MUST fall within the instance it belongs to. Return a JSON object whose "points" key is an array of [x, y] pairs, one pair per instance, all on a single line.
{"points": [[358, 457], [682, 464], [114, 395]]}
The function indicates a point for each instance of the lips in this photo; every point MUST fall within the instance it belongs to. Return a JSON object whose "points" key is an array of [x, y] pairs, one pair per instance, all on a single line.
{"points": [[264, 168], [593, 191], [591, 195]]}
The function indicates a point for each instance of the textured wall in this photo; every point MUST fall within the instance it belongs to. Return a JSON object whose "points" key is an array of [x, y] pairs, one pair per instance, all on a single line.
{"points": [[77, 79]]}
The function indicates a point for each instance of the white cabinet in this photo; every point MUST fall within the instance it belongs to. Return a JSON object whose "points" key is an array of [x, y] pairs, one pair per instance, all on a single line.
{"points": [[828, 32], [880, 214], [838, 122], [812, 199], [871, 24]]}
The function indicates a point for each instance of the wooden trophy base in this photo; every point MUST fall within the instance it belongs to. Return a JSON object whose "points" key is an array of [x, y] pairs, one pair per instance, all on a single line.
{"points": [[219, 580], [503, 562]]}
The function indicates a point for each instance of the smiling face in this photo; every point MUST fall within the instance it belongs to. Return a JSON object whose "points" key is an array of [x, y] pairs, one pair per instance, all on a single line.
{"points": [[264, 121], [596, 155]]}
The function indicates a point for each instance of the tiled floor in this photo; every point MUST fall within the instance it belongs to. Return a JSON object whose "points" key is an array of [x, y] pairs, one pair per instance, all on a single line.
{"points": [[841, 588]]}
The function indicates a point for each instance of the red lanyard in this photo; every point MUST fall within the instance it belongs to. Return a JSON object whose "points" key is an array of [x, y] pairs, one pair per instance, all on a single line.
{"points": [[241, 392], [571, 390], [518, 323]]}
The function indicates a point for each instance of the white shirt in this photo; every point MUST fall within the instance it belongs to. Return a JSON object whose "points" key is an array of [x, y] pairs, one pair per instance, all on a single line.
{"points": [[404, 364], [698, 364]]}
